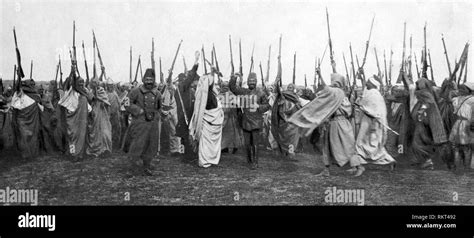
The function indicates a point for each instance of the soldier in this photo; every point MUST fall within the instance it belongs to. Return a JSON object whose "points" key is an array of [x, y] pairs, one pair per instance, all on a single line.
{"points": [[145, 103], [252, 119]]}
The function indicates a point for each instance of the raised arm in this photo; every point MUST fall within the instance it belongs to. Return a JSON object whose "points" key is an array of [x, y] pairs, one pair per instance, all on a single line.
{"points": [[235, 89]]}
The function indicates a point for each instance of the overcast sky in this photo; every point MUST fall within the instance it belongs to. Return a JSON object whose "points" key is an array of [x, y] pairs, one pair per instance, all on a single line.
{"points": [[44, 30]]}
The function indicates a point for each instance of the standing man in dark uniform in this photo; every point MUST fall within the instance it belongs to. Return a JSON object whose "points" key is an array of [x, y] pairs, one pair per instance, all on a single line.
{"points": [[252, 119], [145, 103]]}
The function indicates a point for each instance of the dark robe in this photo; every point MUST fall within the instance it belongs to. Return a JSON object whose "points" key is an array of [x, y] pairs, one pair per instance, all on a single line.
{"points": [[115, 119], [286, 134], [99, 127]]}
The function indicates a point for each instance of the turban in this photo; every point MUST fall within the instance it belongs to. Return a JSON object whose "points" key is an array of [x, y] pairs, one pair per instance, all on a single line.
{"points": [[337, 80], [252, 78], [375, 82], [470, 86]]}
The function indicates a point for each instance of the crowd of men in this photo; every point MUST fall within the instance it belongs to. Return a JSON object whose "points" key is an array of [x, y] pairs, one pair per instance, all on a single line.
{"points": [[204, 116]]}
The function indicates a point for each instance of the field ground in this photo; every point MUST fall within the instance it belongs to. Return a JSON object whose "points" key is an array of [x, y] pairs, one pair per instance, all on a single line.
{"points": [[179, 181]]}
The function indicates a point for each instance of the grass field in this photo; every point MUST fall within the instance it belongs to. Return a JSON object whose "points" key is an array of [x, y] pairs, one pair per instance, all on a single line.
{"points": [[179, 181]]}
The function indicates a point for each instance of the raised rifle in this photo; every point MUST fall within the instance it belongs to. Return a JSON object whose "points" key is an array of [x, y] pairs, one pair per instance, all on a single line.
{"points": [[251, 60], [204, 60], [130, 78], [31, 69], [217, 66], [385, 67], [431, 66], [401, 75], [136, 71], [446, 55], [367, 43], [294, 69], [19, 70], [305, 82], [261, 75], [279, 65], [416, 64], [14, 76], [61, 84], [410, 61], [240, 56], [141, 71], [169, 81], [100, 58], [465, 74], [424, 70], [379, 72], [462, 62], [161, 73], [153, 54], [331, 52], [345, 66], [390, 67], [231, 57], [267, 77], [184, 65], [354, 75], [85, 64], [94, 73]]}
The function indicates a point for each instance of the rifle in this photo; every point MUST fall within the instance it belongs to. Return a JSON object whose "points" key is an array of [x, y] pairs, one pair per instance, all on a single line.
{"points": [[100, 58], [402, 69], [417, 70], [14, 76], [161, 73], [184, 65], [462, 61], [379, 72], [465, 74], [231, 57], [60, 74], [95, 69], [345, 66], [141, 71], [367, 44], [19, 70], [31, 69], [85, 63], [268, 64], [446, 55], [294, 69], [354, 82], [331, 52], [136, 71], [315, 81], [217, 65], [385, 67], [390, 67], [57, 72], [212, 56], [130, 79], [431, 66], [410, 63], [204, 60], [153, 54], [251, 59], [305, 82], [240, 56], [170, 72], [261, 74], [424, 70], [279, 64]]}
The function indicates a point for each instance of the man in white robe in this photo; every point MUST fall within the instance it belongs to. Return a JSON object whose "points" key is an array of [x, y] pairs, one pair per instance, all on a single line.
{"points": [[372, 132], [205, 128]]}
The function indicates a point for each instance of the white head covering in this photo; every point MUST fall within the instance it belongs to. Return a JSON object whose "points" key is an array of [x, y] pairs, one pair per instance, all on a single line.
{"points": [[374, 82], [470, 85]]}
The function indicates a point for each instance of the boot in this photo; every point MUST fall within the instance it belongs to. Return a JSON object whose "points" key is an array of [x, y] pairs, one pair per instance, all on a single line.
{"points": [[457, 159], [255, 155], [253, 163], [324, 173], [428, 165], [249, 154], [360, 171]]}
